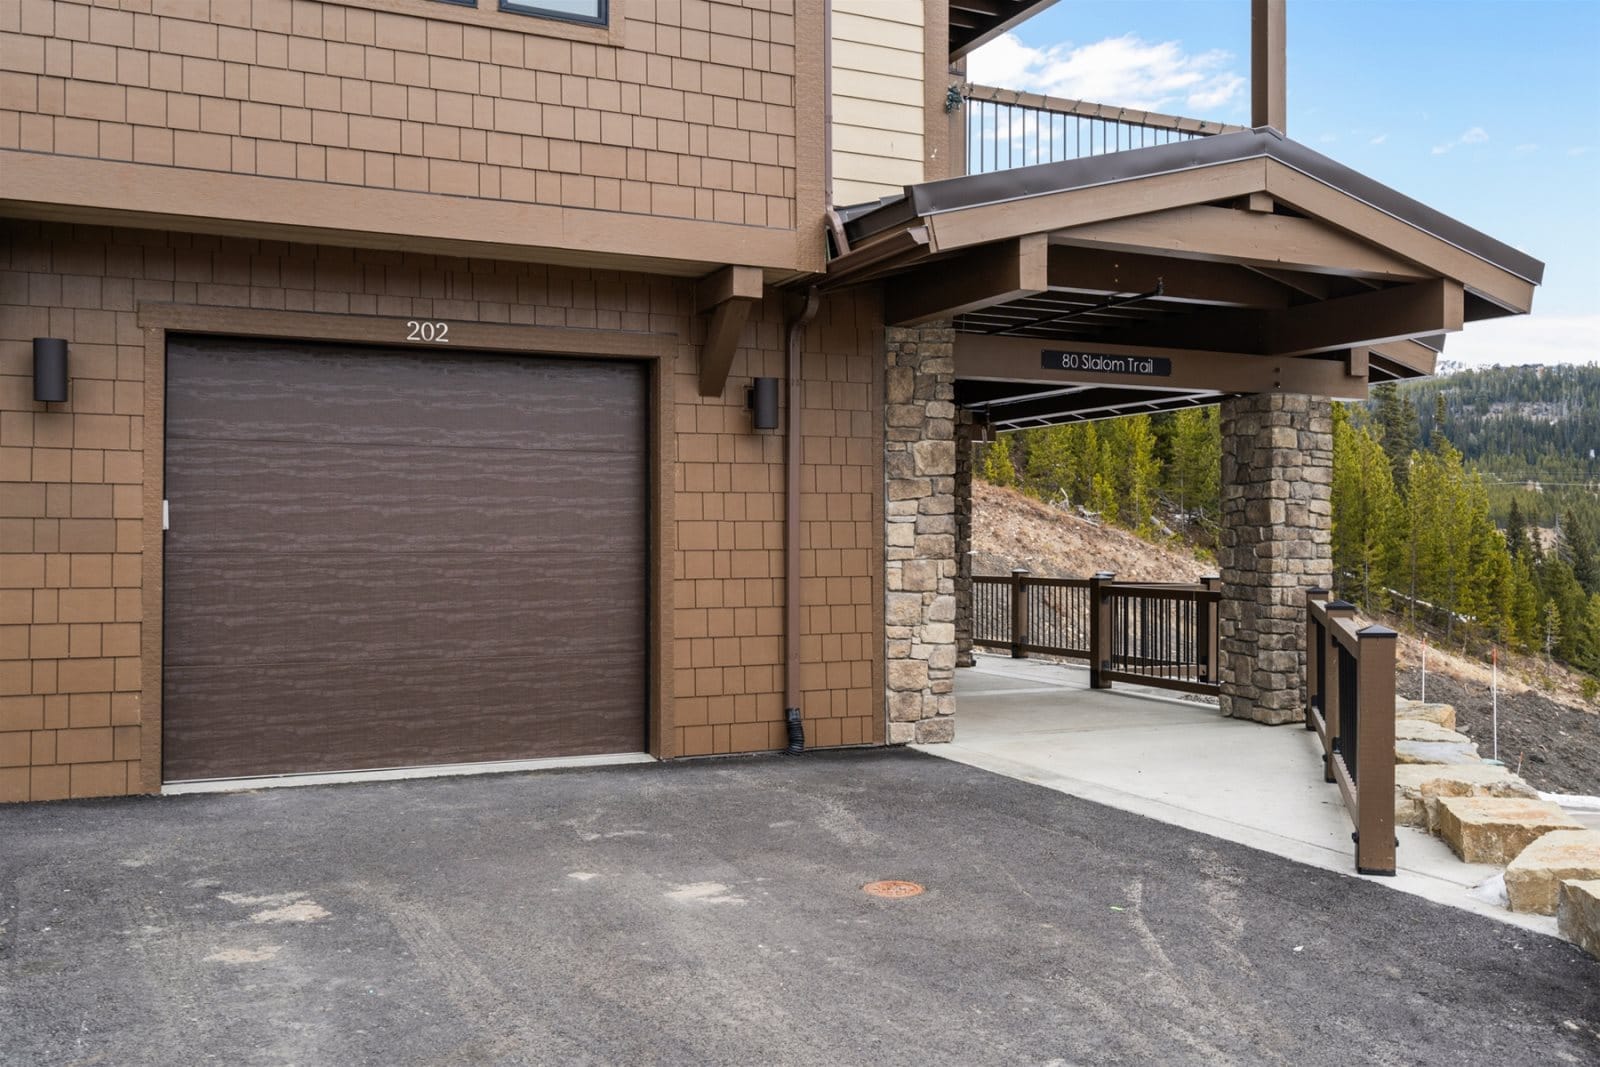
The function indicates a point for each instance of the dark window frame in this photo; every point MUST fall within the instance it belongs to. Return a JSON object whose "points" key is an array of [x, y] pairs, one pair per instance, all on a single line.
{"points": [[532, 9]]}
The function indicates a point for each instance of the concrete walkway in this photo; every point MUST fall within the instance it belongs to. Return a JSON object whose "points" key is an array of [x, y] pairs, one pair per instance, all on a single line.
{"points": [[1179, 761]]}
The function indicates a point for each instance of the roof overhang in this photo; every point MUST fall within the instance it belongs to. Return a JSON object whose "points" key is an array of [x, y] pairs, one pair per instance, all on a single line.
{"points": [[1243, 250], [976, 22]]}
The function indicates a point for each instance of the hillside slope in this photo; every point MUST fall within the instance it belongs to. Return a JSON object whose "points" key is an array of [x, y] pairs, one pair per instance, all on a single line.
{"points": [[1546, 726], [1011, 529]]}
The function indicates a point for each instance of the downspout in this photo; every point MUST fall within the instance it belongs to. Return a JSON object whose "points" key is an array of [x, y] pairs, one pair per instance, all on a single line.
{"points": [[791, 526]]}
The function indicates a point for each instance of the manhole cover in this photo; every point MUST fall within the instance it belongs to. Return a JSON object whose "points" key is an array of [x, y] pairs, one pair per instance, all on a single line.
{"points": [[892, 889]]}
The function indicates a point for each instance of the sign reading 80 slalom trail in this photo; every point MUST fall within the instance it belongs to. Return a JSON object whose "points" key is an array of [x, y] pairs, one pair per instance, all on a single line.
{"points": [[1101, 363]]}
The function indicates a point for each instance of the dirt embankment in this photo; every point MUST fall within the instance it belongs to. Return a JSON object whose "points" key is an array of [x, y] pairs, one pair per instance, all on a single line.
{"points": [[1545, 723], [1011, 529]]}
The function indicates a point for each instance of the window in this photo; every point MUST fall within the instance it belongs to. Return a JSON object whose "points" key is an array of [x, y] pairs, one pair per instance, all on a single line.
{"points": [[592, 11], [589, 11]]}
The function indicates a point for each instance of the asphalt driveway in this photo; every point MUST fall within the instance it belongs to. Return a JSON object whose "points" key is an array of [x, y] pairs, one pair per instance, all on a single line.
{"points": [[711, 912]]}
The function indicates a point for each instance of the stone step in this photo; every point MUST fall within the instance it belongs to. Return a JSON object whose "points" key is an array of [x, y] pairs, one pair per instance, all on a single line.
{"points": [[1442, 753], [1438, 714], [1533, 879], [1421, 730], [1495, 829], [1578, 914], [1418, 787]]}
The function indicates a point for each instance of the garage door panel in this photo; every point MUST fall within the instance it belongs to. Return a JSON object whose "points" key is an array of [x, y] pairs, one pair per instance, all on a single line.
{"points": [[287, 718], [280, 391], [329, 607], [286, 496], [384, 558]]}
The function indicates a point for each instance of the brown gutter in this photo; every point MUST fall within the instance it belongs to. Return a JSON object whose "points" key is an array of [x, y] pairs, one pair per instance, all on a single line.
{"points": [[791, 523]]}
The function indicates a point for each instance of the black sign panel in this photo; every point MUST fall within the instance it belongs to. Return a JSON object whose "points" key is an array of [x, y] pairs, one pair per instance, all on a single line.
{"points": [[1101, 363]]}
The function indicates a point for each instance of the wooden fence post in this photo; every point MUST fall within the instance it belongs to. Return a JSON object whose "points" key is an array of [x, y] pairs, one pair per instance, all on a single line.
{"points": [[1331, 695], [1019, 613], [1374, 764], [1315, 646], [1099, 629], [1206, 641]]}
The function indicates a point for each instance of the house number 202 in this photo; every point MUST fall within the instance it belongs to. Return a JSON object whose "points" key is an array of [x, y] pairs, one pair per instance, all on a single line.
{"points": [[437, 333]]}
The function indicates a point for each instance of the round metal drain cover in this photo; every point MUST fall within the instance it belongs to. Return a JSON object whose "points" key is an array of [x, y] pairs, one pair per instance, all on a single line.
{"points": [[892, 889]]}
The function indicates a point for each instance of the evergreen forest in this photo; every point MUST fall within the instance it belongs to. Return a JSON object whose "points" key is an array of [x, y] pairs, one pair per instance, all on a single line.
{"points": [[1467, 505]]}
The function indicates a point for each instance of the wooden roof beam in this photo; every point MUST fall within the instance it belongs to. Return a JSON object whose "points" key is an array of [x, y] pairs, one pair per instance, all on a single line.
{"points": [[1091, 270], [989, 275], [1219, 234], [980, 357], [727, 295], [1398, 313]]}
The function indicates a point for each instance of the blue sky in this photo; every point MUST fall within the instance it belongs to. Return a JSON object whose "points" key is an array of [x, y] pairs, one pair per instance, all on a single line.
{"points": [[1488, 110]]}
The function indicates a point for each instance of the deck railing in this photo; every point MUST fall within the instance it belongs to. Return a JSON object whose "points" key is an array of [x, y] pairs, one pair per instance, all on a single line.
{"points": [[1350, 705], [1007, 128], [1156, 634]]}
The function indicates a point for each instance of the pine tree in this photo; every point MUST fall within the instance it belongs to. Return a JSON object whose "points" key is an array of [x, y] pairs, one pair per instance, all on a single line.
{"points": [[1579, 552], [1049, 464], [1516, 531], [1397, 417], [997, 468], [1192, 472], [1364, 510]]}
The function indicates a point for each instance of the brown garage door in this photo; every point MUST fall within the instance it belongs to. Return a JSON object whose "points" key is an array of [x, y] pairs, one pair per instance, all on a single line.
{"points": [[384, 558]]}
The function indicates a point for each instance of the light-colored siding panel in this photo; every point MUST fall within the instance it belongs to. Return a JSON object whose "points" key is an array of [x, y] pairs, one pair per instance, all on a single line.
{"points": [[877, 97], [870, 85], [851, 56], [890, 143]]}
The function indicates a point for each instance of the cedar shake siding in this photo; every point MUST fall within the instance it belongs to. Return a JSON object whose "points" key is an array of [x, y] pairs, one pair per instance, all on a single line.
{"points": [[81, 483]]}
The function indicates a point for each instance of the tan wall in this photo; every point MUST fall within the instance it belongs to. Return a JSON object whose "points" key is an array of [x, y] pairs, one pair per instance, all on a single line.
{"points": [[74, 605], [685, 110], [878, 99]]}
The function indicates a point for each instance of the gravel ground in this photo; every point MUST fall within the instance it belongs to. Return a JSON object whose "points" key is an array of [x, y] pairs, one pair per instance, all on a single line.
{"points": [[1554, 746], [711, 912]]}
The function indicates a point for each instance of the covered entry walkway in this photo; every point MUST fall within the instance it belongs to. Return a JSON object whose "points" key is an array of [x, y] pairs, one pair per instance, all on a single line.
{"points": [[1181, 762], [1242, 269]]}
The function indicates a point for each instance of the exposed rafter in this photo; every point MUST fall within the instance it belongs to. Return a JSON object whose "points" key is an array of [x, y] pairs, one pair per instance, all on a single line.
{"points": [[994, 274], [973, 22]]}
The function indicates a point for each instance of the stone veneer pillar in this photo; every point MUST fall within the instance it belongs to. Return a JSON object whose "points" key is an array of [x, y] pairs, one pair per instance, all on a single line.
{"points": [[920, 533], [1277, 477], [964, 438]]}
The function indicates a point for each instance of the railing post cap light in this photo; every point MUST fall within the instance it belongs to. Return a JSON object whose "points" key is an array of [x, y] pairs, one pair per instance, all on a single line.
{"points": [[50, 370], [1376, 631], [1340, 605]]}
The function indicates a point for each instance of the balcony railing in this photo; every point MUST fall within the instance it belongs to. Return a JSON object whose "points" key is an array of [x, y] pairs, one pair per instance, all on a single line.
{"points": [[1350, 705], [1155, 634], [1007, 128]]}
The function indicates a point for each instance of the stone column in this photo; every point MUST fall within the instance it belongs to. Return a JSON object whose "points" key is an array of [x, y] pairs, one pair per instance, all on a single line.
{"points": [[964, 438], [1277, 477], [920, 533]]}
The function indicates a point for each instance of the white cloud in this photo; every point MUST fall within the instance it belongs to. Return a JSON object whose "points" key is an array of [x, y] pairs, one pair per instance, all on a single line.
{"points": [[1476, 135], [1382, 137], [1578, 150], [1524, 149], [1527, 339], [1127, 71]]}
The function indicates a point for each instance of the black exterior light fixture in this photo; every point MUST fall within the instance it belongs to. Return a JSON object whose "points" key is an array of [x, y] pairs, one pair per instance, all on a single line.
{"points": [[50, 370], [762, 400]]}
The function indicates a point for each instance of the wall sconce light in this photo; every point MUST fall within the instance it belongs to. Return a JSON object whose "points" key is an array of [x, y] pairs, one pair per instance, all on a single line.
{"points": [[762, 400], [50, 369]]}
